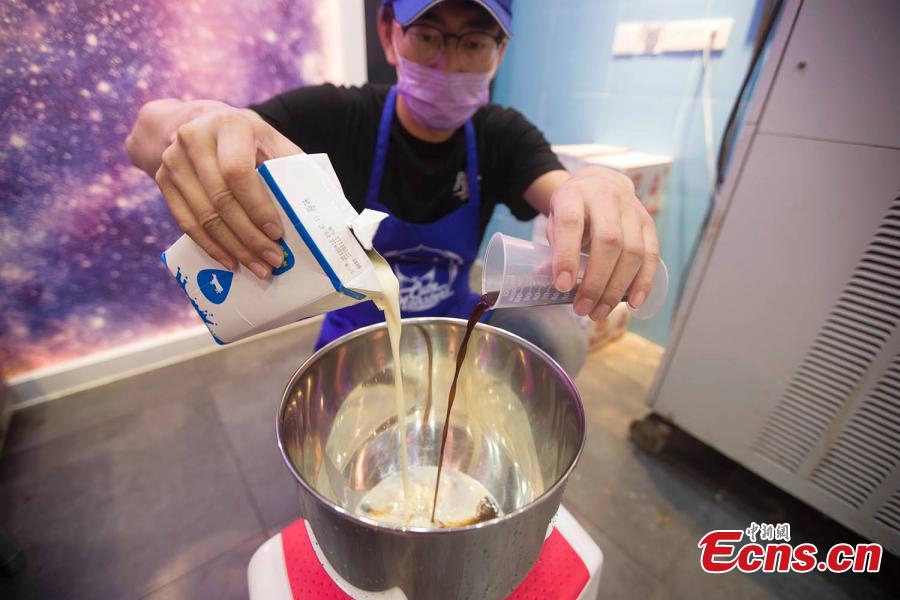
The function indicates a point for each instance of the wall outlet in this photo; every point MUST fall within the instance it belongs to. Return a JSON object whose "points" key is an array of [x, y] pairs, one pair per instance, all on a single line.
{"points": [[636, 37], [694, 35], [655, 37]]}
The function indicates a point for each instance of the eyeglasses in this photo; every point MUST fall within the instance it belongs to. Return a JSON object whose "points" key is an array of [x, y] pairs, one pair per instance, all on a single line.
{"points": [[475, 50]]}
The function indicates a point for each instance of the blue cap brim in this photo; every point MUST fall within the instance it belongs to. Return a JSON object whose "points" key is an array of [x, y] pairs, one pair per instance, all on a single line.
{"points": [[407, 11]]}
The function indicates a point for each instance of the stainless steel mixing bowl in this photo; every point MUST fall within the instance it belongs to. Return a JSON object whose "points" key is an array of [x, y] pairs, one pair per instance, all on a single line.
{"points": [[517, 426]]}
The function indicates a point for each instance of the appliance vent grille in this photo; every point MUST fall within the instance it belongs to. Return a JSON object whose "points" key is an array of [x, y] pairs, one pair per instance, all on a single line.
{"points": [[857, 328], [889, 514], [868, 448]]}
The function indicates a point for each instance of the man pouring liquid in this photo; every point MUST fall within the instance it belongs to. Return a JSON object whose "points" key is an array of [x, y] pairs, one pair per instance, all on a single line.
{"points": [[433, 153]]}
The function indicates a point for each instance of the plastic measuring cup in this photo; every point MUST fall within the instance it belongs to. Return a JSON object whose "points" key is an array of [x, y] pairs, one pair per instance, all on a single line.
{"points": [[521, 272]]}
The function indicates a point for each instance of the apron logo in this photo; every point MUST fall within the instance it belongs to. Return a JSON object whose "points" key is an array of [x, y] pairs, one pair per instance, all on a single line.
{"points": [[426, 276], [215, 284]]}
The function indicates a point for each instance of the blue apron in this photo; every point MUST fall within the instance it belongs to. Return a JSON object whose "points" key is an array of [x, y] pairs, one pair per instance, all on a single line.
{"points": [[431, 260]]}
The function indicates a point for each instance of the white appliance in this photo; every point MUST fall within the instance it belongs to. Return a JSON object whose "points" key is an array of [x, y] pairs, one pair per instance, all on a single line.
{"points": [[785, 350]]}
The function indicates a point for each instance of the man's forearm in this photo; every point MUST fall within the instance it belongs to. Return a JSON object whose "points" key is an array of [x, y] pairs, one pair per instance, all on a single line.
{"points": [[155, 128], [540, 192]]}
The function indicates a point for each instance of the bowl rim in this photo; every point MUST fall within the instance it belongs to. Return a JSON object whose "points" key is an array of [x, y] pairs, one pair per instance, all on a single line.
{"points": [[341, 512]]}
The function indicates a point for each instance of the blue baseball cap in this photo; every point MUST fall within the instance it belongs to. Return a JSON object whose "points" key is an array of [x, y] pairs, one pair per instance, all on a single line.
{"points": [[407, 11]]}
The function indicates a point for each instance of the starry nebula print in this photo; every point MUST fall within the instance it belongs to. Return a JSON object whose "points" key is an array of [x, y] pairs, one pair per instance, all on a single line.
{"points": [[81, 230]]}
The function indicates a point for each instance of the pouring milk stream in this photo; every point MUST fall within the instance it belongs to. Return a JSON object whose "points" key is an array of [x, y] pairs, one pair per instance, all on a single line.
{"points": [[389, 303]]}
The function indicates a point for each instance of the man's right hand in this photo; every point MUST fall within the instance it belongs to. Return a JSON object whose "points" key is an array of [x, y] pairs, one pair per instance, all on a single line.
{"points": [[207, 175]]}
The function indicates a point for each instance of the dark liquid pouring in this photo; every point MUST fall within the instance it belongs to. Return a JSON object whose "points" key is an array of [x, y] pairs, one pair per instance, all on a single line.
{"points": [[484, 304]]}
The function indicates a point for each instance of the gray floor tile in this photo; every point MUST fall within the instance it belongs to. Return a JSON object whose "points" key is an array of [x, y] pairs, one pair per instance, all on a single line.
{"points": [[621, 577], [247, 408], [646, 506], [250, 423], [611, 399], [126, 506], [632, 356], [52, 420], [223, 578], [663, 591]]}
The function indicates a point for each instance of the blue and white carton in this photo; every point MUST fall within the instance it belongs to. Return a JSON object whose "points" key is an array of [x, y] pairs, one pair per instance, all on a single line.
{"points": [[325, 263]]}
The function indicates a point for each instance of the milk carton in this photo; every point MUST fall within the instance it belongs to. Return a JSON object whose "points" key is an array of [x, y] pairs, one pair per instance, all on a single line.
{"points": [[325, 263]]}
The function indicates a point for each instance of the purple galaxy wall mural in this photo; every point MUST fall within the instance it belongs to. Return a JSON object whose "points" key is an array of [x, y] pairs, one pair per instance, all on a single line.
{"points": [[80, 229]]}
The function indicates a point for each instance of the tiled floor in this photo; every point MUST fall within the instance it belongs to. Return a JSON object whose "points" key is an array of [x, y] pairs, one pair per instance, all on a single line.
{"points": [[163, 486]]}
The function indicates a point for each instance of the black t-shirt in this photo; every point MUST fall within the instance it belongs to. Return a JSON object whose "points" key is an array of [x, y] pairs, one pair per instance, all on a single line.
{"points": [[422, 181]]}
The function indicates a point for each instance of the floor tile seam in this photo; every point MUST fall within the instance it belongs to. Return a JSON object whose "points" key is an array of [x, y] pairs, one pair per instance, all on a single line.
{"points": [[137, 409], [237, 465], [201, 566], [580, 516], [680, 543], [65, 436], [631, 379], [687, 544]]}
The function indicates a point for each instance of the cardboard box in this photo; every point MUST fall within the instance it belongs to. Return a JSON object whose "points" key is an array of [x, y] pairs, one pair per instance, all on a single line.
{"points": [[648, 172], [573, 156], [614, 326]]}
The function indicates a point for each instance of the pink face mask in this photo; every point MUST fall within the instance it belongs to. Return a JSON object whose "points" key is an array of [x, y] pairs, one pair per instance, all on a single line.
{"points": [[439, 100]]}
